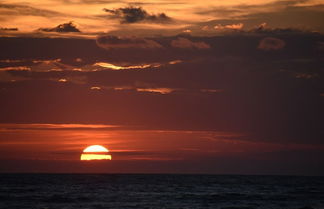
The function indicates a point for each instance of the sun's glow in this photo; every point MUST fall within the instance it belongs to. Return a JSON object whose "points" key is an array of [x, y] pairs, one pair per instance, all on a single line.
{"points": [[95, 148], [95, 152], [95, 157]]}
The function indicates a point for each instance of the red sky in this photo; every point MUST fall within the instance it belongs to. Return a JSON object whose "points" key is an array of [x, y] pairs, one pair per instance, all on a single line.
{"points": [[57, 148], [166, 86]]}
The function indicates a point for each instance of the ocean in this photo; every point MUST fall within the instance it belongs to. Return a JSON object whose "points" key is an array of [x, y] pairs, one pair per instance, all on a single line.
{"points": [[98, 191]]}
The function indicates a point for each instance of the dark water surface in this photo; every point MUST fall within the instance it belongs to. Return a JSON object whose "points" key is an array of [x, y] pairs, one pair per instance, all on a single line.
{"points": [[67, 191]]}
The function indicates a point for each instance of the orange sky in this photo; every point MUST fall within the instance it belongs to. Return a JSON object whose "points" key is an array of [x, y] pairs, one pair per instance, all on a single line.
{"points": [[192, 15]]}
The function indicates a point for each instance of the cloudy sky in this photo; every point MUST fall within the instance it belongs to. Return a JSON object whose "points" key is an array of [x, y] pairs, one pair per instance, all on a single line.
{"points": [[168, 86]]}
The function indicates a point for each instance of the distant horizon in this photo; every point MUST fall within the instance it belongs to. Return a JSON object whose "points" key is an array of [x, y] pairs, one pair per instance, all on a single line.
{"points": [[193, 174]]}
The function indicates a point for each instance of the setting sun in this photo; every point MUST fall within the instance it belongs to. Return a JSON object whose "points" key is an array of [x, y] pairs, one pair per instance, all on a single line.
{"points": [[95, 152]]}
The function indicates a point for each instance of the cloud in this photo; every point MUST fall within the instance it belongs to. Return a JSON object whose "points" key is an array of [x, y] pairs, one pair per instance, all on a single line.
{"points": [[265, 30], [113, 42], [270, 44], [133, 14], [91, 1], [186, 43], [277, 14], [260, 27], [62, 28], [21, 10], [116, 67], [5, 76], [35, 126], [237, 26], [156, 90], [8, 29], [233, 87], [62, 80], [239, 88], [15, 68]]}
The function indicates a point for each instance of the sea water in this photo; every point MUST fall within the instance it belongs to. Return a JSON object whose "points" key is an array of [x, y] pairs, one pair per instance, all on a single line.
{"points": [[69, 191]]}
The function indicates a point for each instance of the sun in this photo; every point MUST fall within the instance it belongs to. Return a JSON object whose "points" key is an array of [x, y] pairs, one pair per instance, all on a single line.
{"points": [[95, 152]]}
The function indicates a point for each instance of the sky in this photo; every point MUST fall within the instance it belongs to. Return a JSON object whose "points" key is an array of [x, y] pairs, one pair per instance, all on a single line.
{"points": [[224, 87]]}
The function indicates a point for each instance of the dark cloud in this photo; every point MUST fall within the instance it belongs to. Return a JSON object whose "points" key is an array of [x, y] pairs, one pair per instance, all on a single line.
{"points": [[186, 43], [278, 14], [133, 14], [92, 1], [114, 42], [243, 43], [176, 43], [62, 28], [8, 29], [294, 16], [233, 86], [270, 43], [299, 44]]}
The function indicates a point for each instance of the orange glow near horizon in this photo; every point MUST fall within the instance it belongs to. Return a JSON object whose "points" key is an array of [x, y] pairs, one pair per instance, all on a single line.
{"points": [[95, 152], [95, 157], [134, 150]]}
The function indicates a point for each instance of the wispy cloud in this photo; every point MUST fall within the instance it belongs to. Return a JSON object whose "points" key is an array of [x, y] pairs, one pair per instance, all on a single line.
{"points": [[156, 90], [116, 67], [41, 126], [21, 10]]}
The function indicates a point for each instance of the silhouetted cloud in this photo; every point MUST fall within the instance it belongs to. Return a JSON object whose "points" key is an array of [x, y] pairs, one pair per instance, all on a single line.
{"points": [[186, 43], [93, 1], [8, 29], [265, 30], [276, 14], [233, 86], [270, 43], [114, 42], [133, 14], [62, 28]]}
